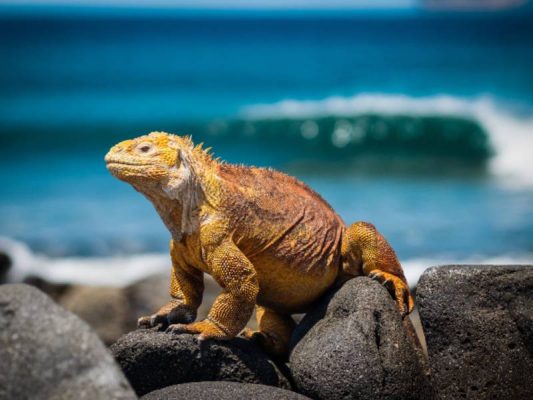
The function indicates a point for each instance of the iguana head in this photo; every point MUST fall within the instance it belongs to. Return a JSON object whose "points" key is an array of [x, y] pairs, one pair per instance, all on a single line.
{"points": [[158, 161]]}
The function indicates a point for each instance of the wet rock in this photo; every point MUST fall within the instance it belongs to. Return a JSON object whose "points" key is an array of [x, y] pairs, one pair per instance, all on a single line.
{"points": [[479, 330], [47, 352], [223, 391], [152, 360], [353, 345]]}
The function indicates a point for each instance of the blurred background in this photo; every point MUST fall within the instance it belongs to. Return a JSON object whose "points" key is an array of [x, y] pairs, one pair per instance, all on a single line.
{"points": [[414, 115]]}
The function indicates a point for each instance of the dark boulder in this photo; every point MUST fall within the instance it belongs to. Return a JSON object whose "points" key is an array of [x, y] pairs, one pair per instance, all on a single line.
{"points": [[5, 265], [479, 330], [353, 346], [152, 360], [222, 391], [47, 352]]}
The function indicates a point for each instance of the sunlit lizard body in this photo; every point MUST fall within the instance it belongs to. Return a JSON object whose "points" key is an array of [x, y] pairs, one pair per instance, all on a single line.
{"points": [[269, 240]]}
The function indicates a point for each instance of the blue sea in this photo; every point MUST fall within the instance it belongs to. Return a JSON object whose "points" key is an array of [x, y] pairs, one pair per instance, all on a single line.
{"points": [[420, 124]]}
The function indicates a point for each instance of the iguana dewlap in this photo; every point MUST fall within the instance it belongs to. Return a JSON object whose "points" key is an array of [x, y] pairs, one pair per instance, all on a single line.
{"points": [[269, 240]]}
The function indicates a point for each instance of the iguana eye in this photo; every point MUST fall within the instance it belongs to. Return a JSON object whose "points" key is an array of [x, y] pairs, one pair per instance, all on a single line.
{"points": [[144, 148]]}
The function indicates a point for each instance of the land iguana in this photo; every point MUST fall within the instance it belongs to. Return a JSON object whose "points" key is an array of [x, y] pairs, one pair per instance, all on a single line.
{"points": [[268, 240]]}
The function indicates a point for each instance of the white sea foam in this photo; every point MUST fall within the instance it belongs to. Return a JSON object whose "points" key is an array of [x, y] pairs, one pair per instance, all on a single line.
{"points": [[511, 136], [123, 270], [112, 271]]}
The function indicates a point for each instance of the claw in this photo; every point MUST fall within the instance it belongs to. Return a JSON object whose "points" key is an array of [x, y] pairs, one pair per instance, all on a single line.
{"points": [[397, 288], [206, 329], [144, 323], [178, 328]]}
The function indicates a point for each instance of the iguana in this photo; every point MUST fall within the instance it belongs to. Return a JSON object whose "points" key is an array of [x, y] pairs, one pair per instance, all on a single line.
{"points": [[269, 240]]}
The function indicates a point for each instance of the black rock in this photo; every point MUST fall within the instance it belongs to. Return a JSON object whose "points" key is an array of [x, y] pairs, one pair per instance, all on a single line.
{"points": [[5, 265], [353, 346], [479, 330], [152, 360], [47, 352], [222, 391]]}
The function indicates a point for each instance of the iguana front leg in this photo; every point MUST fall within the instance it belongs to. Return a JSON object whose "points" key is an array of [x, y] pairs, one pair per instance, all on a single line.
{"points": [[365, 250], [186, 289], [234, 306]]}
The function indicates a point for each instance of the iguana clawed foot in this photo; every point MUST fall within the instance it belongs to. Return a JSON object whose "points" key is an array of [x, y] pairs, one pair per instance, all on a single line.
{"points": [[397, 288], [173, 312], [206, 328]]}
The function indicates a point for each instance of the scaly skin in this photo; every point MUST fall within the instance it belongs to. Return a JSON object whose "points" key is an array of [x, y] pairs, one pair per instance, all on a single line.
{"points": [[269, 241]]}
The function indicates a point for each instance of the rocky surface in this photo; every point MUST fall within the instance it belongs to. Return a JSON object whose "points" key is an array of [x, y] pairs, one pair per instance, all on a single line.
{"points": [[222, 391], [47, 352], [353, 345], [479, 330], [152, 360]]}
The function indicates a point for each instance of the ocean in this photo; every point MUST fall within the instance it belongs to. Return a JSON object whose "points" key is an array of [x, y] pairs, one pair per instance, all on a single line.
{"points": [[420, 124]]}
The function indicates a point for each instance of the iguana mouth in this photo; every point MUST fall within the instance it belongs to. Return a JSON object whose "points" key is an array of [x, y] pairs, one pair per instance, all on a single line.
{"points": [[116, 162]]}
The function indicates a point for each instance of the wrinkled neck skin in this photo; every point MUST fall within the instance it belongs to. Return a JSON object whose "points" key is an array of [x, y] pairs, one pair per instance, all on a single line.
{"points": [[179, 197]]}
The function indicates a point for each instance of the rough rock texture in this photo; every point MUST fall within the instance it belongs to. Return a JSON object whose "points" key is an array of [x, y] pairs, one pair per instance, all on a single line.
{"points": [[223, 391], [152, 360], [48, 353], [353, 345], [479, 330]]}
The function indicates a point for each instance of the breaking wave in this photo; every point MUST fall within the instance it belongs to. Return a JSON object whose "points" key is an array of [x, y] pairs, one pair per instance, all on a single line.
{"points": [[477, 130]]}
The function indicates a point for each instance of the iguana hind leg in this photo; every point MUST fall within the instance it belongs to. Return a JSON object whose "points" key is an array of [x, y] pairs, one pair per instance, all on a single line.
{"points": [[274, 333], [365, 251]]}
